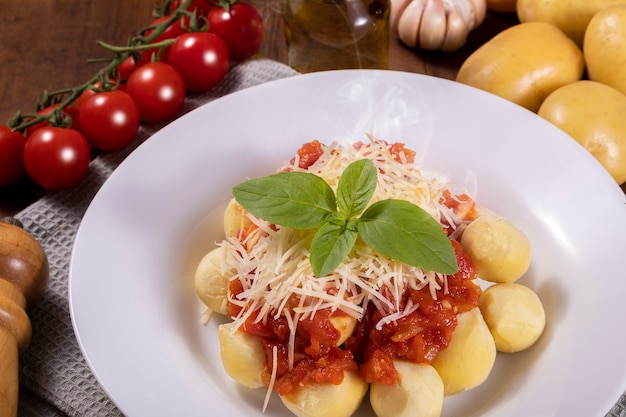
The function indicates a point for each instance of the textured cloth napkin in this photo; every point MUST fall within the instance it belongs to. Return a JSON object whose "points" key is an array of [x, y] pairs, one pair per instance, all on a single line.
{"points": [[53, 372], [55, 379]]}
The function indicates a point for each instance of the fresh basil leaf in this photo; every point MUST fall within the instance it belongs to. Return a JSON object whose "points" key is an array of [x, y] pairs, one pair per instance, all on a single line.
{"points": [[299, 200], [405, 232], [356, 187], [330, 246]]}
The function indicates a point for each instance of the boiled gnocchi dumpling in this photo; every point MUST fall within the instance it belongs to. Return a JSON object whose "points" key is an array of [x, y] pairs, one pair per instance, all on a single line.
{"points": [[470, 355], [514, 314], [418, 392], [211, 280], [500, 251], [242, 356], [328, 400], [235, 219], [345, 325]]}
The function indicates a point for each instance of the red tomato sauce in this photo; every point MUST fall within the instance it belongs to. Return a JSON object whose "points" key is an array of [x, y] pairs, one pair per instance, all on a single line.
{"points": [[317, 359], [417, 337]]}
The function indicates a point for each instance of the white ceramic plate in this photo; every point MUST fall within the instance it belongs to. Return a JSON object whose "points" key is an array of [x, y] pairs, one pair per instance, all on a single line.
{"points": [[131, 292]]}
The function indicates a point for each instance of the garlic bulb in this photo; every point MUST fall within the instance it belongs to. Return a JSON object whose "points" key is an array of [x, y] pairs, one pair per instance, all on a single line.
{"points": [[436, 24]]}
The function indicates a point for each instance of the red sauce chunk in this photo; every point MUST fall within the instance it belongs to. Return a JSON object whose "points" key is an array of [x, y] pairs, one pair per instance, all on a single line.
{"points": [[308, 154]]}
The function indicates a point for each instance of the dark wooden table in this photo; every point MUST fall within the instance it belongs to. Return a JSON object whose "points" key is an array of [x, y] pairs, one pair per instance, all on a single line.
{"points": [[46, 45]]}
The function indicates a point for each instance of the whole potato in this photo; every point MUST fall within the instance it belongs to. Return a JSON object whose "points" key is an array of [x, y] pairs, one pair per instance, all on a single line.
{"points": [[570, 16], [605, 47], [524, 64], [594, 114]]}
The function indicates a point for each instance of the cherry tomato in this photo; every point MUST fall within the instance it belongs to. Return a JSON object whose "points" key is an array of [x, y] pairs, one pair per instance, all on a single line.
{"points": [[56, 158], [11, 160], [117, 84], [241, 27], [172, 31], [127, 66], [71, 111], [201, 58], [201, 7], [159, 91], [110, 120], [88, 92]]}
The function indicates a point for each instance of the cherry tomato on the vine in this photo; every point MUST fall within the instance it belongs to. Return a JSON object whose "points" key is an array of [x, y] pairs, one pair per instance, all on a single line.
{"points": [[159, 91], [241, 27], [94, 89], [201, 58], [11, 159], [71, 111], [56, 158], [88, 92], [110, 120], [130, 64], [201, 7], [173, 31]]}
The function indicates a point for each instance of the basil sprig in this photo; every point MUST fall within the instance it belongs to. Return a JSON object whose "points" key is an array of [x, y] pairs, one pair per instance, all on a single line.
{"points": [[397, 229]]}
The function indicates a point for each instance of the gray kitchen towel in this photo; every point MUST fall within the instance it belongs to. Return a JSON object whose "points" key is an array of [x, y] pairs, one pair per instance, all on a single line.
{"points": [[53, 370]]}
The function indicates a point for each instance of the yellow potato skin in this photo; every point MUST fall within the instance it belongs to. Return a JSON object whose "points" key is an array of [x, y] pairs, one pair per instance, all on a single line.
{"points": [[524, 64], [570, 16], [502, 6], [594, 114], [514, 314], [604, 47]]}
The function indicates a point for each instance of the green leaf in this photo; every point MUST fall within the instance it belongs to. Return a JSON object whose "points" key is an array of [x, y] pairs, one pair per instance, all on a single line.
{"points": [[330, 246], [356, 187], [405, 232], [299, 200]]}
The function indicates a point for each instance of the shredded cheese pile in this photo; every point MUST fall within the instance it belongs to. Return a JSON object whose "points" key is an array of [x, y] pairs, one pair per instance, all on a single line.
{"points": [[273, 265]]}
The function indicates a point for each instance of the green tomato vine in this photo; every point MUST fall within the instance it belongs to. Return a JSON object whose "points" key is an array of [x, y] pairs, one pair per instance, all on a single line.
{"points": [[107, 76]]}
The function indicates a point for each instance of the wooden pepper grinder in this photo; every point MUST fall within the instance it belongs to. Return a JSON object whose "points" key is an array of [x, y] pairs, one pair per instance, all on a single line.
{"points": [[23, 280]]}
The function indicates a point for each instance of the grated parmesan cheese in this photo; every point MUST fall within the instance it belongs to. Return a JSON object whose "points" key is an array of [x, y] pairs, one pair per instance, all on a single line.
{"points": [[273, 266]]}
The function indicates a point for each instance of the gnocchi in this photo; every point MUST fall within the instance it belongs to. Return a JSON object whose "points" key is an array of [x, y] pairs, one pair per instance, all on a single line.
{"points": [[500, 251], [242, 356], [470, 356], [328, 400], [419, 392], [211, 280], [408, 336], [514, 315]]}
